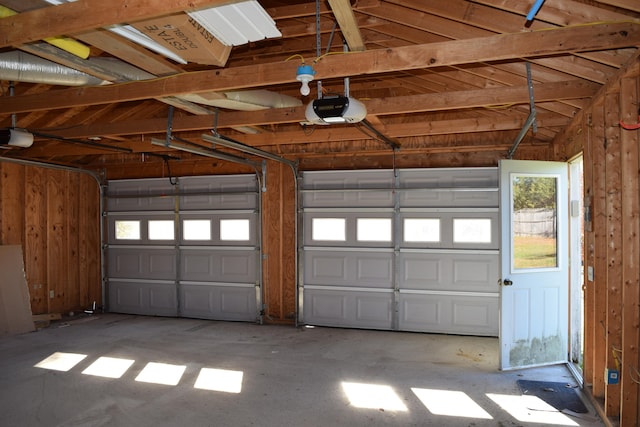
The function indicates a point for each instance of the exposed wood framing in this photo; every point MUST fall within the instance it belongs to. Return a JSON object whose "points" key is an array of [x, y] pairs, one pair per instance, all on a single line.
{"points": [[630, 274], [279, 243], [348, 24], [494, 48], [54, 215], [612, 242], [417, 103], [612, 302]]}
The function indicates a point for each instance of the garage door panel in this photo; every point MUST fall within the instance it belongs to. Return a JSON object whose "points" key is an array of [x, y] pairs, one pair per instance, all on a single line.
{"points": [[150, 192], [328, 269], [431, 185], [217, 301], [422, 271], [474, 313], [349, 268], [147, 298], [126, 263], [346, 308], [479, 274], [375, 270], [457, 314], [142, 263], [218, 265], [449, 271], [240, 189], [336, 180], [420, 312]]}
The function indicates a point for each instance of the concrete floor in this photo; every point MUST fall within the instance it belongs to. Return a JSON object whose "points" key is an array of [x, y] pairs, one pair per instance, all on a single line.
{"points": [[260, 376]]}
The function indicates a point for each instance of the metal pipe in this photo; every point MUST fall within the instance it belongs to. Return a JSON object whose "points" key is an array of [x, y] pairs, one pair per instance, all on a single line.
{"points": [[229, 143], [202, 151], [534, 9], [521, 134]]}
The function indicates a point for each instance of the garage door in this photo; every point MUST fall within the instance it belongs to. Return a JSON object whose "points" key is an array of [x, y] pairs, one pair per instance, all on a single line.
{"points": [[410, 250], [190, 248]]}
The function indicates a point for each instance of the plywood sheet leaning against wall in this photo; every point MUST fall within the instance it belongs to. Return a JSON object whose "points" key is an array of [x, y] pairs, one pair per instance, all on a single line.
{"points": [[55, 216], [15, 309]]}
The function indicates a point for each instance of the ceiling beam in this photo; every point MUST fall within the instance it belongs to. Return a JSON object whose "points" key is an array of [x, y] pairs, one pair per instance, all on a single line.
{"points": [[87, 15], [348, 24], [405, 104], [492, 48], [326, 134]]}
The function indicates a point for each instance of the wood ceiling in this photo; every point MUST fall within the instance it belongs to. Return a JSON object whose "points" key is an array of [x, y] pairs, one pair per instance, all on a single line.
{"points": [[438, 76]]}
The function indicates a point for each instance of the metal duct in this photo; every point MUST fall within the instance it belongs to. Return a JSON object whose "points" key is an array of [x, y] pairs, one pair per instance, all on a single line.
{"points": [[124, 71], [20, 66], [246, 100]]}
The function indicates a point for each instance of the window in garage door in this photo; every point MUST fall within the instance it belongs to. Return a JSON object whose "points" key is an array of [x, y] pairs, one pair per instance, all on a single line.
{"points": [[189, 250], [412, 250]]}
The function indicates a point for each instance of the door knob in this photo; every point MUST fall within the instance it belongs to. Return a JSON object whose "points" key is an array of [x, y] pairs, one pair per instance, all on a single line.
{"points": [[507, 282]]}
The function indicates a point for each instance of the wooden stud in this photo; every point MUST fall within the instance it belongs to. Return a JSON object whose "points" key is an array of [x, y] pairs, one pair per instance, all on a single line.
{"points": [[613, 297], [629, 89], [599, 222], [585, 135]]}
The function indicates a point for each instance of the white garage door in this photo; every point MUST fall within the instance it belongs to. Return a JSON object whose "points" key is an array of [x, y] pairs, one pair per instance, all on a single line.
{"points": [[191, 249], [411, 250]]}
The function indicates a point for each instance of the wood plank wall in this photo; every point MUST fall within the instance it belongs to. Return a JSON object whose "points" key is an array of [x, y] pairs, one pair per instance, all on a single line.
{"points": [[611, 243], [55, 216]]}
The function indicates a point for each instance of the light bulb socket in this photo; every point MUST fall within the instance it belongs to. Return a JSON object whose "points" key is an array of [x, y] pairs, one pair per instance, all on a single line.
{"points": [[305, 73]]}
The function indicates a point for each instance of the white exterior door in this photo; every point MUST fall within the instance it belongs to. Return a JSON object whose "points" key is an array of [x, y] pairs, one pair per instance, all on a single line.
{"points": [[534, 263]]}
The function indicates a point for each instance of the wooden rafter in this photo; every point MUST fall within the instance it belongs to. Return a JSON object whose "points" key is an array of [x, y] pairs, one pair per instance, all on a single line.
{"points": [[348, 25], [499, 47], [417, 103]]}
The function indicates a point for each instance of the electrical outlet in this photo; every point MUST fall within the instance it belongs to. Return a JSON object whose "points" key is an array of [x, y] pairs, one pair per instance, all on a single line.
{"points": [[611, 376], [52, 294], [590, 273]]}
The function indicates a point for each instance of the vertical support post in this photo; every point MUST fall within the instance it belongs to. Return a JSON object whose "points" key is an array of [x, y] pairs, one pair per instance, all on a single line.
{"points": [[613, 299], [630, 164], [599, 250]]}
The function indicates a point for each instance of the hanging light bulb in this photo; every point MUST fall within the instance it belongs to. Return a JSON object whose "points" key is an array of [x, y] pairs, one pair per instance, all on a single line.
{"points": [[305, 75]]}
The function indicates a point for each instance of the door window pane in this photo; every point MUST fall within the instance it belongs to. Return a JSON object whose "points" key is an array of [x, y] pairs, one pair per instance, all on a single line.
{"points": [[533, 219], [161, 230], [127, 230], [196, 229], [374, 229], [234, 229], [333, 229], [421, 230], [472, 230]]}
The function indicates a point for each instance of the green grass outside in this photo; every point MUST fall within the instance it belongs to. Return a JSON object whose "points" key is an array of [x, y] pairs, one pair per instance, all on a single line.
{"points": [[534, 252]]}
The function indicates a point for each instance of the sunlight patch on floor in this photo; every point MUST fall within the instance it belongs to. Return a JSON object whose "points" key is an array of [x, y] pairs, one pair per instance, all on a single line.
{"points": [[373, 396], [161, 373], [219, 380], [531, 409], [59, 361], [109, 367], [451, 403]]}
